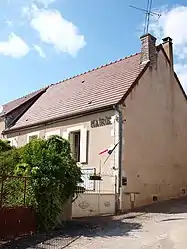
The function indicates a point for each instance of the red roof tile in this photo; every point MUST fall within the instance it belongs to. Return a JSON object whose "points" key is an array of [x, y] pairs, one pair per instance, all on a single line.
{"points": [[98, 88], [10, 106]]}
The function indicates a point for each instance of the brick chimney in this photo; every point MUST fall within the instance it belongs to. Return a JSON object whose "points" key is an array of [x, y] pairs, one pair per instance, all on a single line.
{"points": [[168, 48], [148, 50]]}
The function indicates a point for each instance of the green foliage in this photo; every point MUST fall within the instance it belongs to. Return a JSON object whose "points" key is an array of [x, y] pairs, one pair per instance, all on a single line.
{"points": [[16, 192], [54, 176], [5, 146], [8, 160], [13, 192], [13, 189], [9, 157]]}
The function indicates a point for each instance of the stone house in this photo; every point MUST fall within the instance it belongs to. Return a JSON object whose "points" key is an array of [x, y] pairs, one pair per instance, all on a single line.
{"points": [[136, 103]]}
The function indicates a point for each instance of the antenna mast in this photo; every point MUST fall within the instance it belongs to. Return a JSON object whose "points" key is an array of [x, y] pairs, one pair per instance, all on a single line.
{"points": [[148, 13]]}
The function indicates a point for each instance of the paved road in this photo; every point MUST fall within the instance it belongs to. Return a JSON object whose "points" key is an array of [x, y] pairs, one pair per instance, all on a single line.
{"points": [[162, 225]]}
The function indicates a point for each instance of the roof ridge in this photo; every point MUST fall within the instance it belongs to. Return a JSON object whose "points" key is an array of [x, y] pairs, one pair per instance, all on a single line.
{"points": [[94, 69]]}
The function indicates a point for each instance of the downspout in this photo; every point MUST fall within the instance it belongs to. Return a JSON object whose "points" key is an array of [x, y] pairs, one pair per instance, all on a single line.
{"points": [[116, 108]]}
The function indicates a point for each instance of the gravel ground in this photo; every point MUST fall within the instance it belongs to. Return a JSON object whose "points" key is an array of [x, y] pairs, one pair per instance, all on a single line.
{"points": [[161, 225]]}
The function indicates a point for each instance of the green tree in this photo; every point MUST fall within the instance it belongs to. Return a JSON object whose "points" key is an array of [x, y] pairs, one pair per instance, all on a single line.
{"points": [[54, 176], [5, 146], [13, 189], [9, 157]]}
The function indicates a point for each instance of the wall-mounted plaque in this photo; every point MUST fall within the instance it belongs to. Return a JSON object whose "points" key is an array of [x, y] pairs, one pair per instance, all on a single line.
{"points": [[101, 122]]}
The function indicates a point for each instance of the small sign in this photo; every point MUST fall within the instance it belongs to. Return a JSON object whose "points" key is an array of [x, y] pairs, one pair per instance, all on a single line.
{"points": [[101, 122], [96, 178]]}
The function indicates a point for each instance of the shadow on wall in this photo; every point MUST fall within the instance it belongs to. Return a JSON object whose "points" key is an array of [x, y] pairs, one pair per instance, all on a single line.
{"points": [[91, 227]]}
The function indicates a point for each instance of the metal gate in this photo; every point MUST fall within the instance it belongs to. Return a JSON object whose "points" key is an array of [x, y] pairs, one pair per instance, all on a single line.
{"points": [[99, 198]]}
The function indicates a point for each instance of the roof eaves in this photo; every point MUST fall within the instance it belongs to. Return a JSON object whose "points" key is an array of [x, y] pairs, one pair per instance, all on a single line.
{"points": [[55, 120]]}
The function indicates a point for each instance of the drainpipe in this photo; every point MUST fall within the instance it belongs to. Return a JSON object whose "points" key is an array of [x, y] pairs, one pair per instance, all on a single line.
{"points": [[116, 108]]}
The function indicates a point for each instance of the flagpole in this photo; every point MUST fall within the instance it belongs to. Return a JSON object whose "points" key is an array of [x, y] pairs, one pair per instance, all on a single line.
{"points": [[99, 189], [100, 167], [110, 154]]}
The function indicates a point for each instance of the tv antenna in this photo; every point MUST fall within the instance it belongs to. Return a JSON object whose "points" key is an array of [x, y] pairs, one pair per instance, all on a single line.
{"points": [[148, 13]]}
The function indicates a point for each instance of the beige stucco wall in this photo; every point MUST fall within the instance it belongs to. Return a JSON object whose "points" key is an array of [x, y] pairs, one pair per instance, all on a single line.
{"points": [[155, 135], [98, 139], [2, 127], [92, 204]]}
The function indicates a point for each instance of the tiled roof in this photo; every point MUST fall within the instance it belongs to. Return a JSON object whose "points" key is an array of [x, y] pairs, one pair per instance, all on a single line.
{"points": [[10, 106], [98, 88]]}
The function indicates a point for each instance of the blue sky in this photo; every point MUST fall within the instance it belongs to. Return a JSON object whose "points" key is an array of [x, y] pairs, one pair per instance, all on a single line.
{"points": [[45, 41]]}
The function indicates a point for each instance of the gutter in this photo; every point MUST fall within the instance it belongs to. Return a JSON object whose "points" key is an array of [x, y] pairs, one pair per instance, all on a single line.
{"points": [[116, 108]]}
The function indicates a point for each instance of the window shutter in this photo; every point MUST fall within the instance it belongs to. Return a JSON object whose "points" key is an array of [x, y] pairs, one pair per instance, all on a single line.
{"points": [[65, 135], [83, 146]]}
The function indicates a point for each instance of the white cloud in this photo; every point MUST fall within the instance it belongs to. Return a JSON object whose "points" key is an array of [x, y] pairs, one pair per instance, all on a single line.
{"points": [[39, 50], [173, 23], [55, 30], [46, 3], [15, 47]]}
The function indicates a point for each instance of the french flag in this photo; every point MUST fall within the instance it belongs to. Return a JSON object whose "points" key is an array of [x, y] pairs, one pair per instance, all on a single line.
{"points": [[109, 150]]}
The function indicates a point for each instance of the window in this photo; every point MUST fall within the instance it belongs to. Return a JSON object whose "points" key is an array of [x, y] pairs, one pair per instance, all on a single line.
{"points": [[13, 141], [75, 144], [33, 137], [77, 135]]}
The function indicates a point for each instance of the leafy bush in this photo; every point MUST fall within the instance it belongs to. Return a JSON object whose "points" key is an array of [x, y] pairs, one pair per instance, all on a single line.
{"points": [[54, 176], [8, 160], [5, 146], [13, 189], [9, 157]]}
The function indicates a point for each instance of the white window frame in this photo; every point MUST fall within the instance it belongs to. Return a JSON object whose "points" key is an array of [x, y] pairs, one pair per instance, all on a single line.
{"points": [[35, 133], [51, 133], [69, 135], [75, 128], [83, 144], [13, 141]]}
